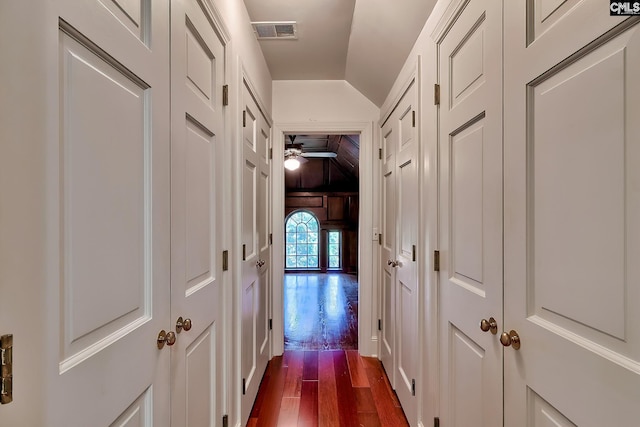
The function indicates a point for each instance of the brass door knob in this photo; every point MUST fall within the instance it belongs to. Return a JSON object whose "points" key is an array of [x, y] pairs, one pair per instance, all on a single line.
{"points": [[168, 338], [510, 339], [489, 325], [389, 262], [183, 324]]}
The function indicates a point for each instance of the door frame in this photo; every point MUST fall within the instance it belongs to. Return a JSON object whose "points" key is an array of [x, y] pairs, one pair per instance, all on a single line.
{"points": [[367, 252]]}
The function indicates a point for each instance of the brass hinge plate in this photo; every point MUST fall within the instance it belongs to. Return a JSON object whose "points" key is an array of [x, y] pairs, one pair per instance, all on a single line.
{"points": [[244, 252], [225, 95], [270, 324], [270, 153], [436, 260], [225, 260], [6, 369], [436, 94], [271, 238], [413, 253], [413, 118], [225, 421], [379, 324], [244, 386], [436, 422], [413, 387], [380, 153], [244, 119], [380, 239]]}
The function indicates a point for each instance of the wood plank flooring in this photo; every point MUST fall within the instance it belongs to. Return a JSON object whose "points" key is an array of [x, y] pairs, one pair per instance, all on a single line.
{"points": [[336, 388], [320, 311]]}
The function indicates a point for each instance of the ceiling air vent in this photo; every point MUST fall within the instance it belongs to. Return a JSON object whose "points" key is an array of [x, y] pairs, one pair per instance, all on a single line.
{"points": [[275, 30]]}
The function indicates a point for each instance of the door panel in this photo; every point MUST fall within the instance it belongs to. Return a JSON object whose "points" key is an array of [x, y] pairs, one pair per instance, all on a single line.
{"points": [[570, 225], [407, 241], [255, 335], [196, 204], [470, 276], [388, 253], [108, 228]]}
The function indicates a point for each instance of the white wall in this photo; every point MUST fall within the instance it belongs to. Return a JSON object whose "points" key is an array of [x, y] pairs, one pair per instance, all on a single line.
{"points": [[246, 48], [296, 101]]}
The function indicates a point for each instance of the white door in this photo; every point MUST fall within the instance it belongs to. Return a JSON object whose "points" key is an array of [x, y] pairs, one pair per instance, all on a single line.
{"points": [[470, 278], [197, 159], [256, 252], [572, 210], [96, 101], [388, 254], [400, 347]]}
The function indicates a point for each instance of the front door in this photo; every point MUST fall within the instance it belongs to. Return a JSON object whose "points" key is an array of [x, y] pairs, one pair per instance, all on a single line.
{"points": [[91, 126], [572, 215], [197, 160], [256, 250], [470, 278]]}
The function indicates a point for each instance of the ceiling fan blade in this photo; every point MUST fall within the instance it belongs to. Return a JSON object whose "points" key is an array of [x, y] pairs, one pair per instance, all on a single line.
{"points": [[325, 154]]}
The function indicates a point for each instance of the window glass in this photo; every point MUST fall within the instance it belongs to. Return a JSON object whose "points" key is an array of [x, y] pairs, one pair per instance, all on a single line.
{"points": [[334, 249], [301, 241]]}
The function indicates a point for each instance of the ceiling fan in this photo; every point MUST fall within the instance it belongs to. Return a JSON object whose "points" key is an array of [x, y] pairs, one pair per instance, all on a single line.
{"points": [[294, 154]]}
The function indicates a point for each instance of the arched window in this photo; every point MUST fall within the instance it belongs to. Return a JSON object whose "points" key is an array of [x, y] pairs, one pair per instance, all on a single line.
{"points": [[302, 240]]}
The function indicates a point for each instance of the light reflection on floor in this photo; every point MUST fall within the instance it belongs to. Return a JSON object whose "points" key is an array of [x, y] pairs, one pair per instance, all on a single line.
{"points": [[320, 311]]}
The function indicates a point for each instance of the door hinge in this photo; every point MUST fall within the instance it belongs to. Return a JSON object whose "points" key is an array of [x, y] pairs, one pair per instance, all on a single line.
{"points": [[225, 421], [6, 369], [225, 260], [271, 238], [380, 239], [270, 324], [413, 387], [436, 94], [413, 253], [436, 422], [380, 153], [225, 95], [413, 118], [270, 153], [379, 324], [244, 119], [436, 260], [244, 386], [244, 252]]}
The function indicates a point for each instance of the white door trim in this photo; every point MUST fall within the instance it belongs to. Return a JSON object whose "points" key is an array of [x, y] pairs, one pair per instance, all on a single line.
{"points": [[367, 298]]}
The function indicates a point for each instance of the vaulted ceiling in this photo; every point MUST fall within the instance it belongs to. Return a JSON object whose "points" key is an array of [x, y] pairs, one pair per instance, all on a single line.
{"points": [[364, 42]]}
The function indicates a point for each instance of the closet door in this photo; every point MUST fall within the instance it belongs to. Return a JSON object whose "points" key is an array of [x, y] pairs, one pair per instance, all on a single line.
{"points": [[572, 215], [470, 278], [86, 185], [256, 250], [388, 252], [400, 240], [198, 154]]}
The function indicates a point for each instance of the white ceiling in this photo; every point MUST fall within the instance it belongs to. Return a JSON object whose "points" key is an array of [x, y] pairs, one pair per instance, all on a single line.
{"points": [[365, 42]]}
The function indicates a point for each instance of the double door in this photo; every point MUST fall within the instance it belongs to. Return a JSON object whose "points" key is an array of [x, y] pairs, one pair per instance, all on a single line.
{"points": [[125, 114], [538, 215], [256, 249], [399, 346]]}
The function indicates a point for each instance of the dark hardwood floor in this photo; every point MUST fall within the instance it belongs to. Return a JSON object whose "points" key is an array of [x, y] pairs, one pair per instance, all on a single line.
{"points": [[320, 311], [334, 388]]}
